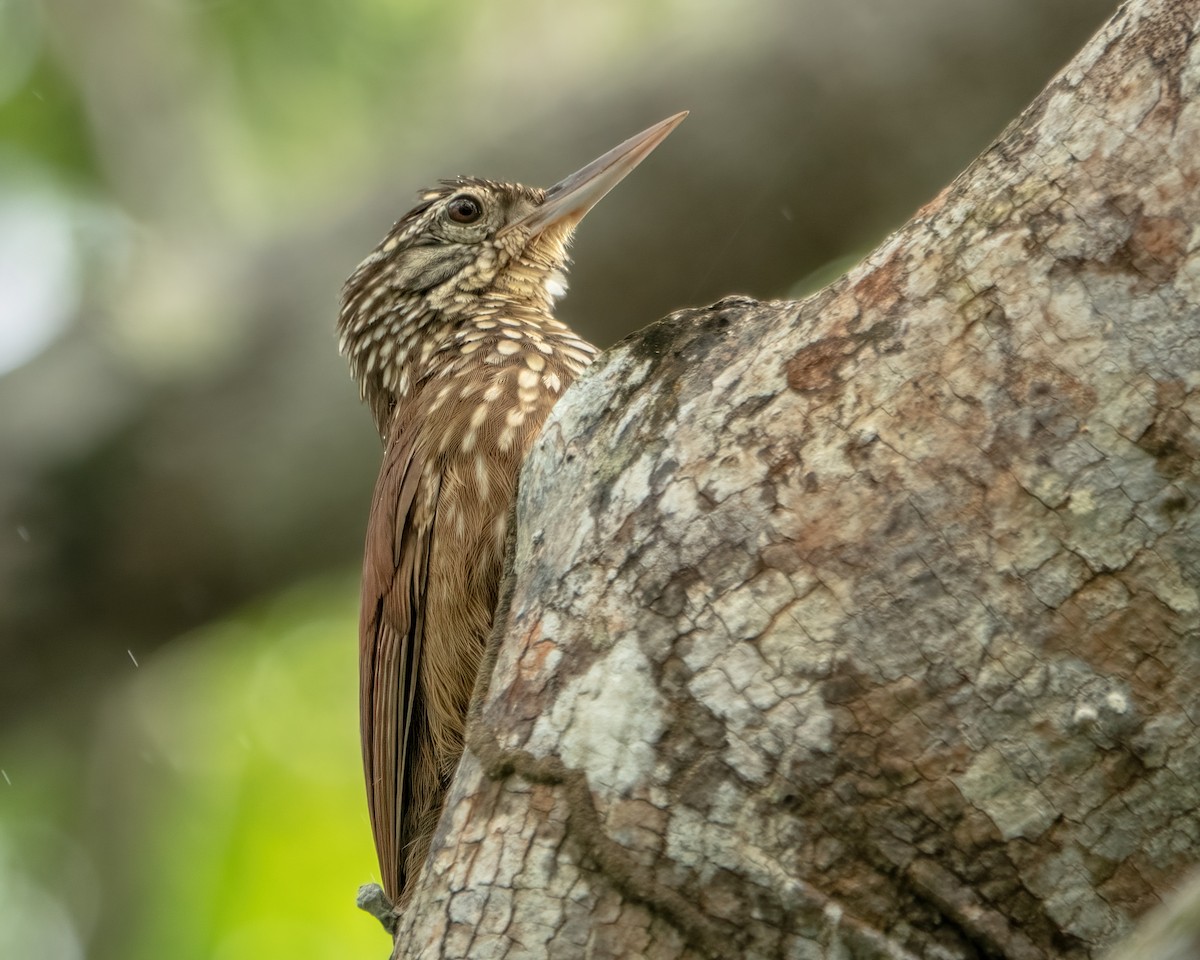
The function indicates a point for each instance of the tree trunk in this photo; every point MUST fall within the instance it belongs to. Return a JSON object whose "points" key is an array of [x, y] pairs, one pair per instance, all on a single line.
{"points": [[868, 625]]}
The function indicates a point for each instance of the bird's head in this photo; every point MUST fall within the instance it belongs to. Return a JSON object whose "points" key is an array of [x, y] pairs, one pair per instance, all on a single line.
{"points": [[467, 245]]}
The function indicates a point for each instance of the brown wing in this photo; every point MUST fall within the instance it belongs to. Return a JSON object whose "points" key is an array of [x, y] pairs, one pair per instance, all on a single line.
{"points": [[391, 633]]}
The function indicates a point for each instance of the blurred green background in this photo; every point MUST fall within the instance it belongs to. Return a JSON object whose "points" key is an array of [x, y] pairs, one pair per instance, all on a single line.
{"points": [[184, 467]]}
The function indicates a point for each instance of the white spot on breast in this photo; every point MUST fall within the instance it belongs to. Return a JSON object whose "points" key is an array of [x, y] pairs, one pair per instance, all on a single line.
{"points": [[552, 382], [507, 347], [527, 378], [535, 362], [493, 393], [481, 477]]}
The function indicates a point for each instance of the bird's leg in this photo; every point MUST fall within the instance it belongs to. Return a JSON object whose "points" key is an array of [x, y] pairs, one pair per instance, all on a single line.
{"points": [[374, 901]]}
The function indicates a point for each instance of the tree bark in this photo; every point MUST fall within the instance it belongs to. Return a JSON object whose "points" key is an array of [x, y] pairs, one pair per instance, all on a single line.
{"points": [[868, 625]]}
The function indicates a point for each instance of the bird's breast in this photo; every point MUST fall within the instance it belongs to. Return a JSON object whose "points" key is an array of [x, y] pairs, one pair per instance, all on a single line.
{"points": [[492, 387], [478, 409]]}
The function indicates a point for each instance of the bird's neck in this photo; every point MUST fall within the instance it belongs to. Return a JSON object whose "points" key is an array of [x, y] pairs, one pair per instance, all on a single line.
{"points": [[432, 330], [527, 287]]}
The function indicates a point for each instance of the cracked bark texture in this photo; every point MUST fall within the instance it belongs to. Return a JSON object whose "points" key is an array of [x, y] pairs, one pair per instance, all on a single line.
{"points": [[868, 625]]}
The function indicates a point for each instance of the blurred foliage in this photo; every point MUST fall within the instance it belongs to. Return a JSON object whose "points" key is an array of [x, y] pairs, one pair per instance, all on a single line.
{"points": [[184, 184], [234, 813], [45, 121], [40, 112], [307, 82]]}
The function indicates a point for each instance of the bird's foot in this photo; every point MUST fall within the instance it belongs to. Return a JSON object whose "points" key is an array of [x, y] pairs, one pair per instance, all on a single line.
{"points": [[374, 901]]}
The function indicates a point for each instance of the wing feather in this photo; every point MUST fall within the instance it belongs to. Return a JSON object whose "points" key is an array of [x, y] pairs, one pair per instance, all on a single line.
{"points": [[391, 632]]}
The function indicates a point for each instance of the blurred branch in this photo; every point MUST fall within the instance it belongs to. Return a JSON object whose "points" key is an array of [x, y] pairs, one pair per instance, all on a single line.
{"points": [[137, 67], [865, 625]]}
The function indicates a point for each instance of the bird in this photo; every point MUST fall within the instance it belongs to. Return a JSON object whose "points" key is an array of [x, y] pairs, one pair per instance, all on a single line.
{"points": [[449, 329]]}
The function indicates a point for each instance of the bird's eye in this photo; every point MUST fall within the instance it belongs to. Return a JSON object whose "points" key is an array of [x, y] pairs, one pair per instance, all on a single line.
{"points": [[464, 209]]}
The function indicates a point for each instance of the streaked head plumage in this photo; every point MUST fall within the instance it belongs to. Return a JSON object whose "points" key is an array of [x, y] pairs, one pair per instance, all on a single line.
{"points": [[461, 246], [468, 249]]}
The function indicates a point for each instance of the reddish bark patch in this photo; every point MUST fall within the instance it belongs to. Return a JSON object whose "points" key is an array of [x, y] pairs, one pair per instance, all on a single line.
{"points": [[1157, 246], [818, 365], [879, 289], [1130, 643]]}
